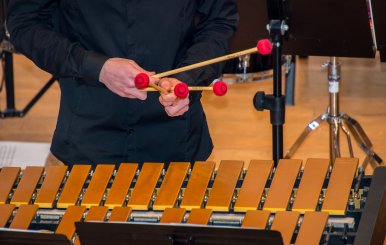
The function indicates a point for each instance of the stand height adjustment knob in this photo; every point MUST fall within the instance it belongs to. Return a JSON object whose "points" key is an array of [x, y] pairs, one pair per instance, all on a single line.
{"points": [[258, 100]]}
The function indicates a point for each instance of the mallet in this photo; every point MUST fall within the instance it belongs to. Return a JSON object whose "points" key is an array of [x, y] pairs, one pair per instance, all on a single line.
{"points": [[142, 80], [181, 90]]}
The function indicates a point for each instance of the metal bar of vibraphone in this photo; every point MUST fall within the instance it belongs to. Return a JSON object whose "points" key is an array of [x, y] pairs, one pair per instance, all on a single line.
{"points": [[97, 185], [67, 223], [171, 185], [73, 187], [224, 185], [6, 211], [24, 216], [339, 186], [53, 179], [311, 228], [8, 176], [253, 186], [197, 185], [27, 185], [256, 219], [121, 185], [120, 214], [307, 195], [95, 213], [282, 185], [199, 216], [285, 222], [173, 215], [145, 186]]}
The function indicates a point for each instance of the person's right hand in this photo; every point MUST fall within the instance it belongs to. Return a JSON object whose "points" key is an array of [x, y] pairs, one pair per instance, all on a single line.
{"points": [[118, 75]]}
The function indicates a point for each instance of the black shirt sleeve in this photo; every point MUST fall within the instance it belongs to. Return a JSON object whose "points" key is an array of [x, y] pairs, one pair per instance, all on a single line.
{"points": [[217, 22], [32, 32]]}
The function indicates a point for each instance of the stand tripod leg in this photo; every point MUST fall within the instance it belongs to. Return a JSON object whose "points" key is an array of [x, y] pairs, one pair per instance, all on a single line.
{"points": [[334, 138], [313, 125], [349, 142], [361, 138]]}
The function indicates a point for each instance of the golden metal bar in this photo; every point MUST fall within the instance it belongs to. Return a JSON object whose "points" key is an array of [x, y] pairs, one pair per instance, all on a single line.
{"points": [[285, 222], [282, 185], [6, 211], [256, 219], [27, 185], [50, 187], [312, 227], [173, 215], [73, 187], [121, 185], [199, 216], [98, 184], [253, 185], [224, 185], [339, 186], [120, 214], [171, 185], [67, 224], [96, 213], [198, 183], [24, 216], [8, 176], [311, 185], [145, 186]]}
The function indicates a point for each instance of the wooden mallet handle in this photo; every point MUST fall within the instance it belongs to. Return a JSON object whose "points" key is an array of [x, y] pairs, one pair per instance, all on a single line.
{"points": [[263, 47], [181, 90]]}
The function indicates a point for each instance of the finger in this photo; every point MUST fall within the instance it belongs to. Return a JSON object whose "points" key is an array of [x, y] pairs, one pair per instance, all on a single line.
{"points": [[137, 67], [166, 84], [177, 113], [164, 102], [133, 92], [178, 107], [182, 110]]}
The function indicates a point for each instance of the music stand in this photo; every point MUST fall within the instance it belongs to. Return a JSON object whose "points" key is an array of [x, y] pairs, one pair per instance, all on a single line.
{"points": [[95, 233], [326, 28], [23, 237], [379, 24], [6, 57]]}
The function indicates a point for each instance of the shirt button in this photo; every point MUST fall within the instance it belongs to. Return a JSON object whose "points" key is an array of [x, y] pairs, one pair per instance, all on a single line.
{"points": [[130, 131]]}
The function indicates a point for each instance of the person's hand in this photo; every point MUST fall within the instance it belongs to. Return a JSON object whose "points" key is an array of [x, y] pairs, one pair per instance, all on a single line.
{"points": [[174, 106], [118, 75]]}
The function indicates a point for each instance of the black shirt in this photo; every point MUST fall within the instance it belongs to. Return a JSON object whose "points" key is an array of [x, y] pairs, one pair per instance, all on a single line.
{"points": [[73, 38]]}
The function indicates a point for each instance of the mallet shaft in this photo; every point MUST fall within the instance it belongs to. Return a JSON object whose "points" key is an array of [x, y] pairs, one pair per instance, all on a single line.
{"points": [[205, 63]]}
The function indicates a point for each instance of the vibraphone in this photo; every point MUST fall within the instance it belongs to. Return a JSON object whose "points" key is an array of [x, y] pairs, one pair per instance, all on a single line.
{"points": [[310, 204]]}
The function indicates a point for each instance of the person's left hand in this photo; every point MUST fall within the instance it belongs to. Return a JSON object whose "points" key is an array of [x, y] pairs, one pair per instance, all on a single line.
{"points": [[174, 106]]}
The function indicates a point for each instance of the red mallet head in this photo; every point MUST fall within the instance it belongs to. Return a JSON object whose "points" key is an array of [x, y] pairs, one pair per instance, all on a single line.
{"points": [[181, 90], [264, 47], [141, 80], [220, 88]]}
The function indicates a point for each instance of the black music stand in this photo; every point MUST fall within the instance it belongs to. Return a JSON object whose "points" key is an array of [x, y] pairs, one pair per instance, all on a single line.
{"points": [[95, 233], [379, 24], [23, 237], [322, 28], [6, 57]]}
